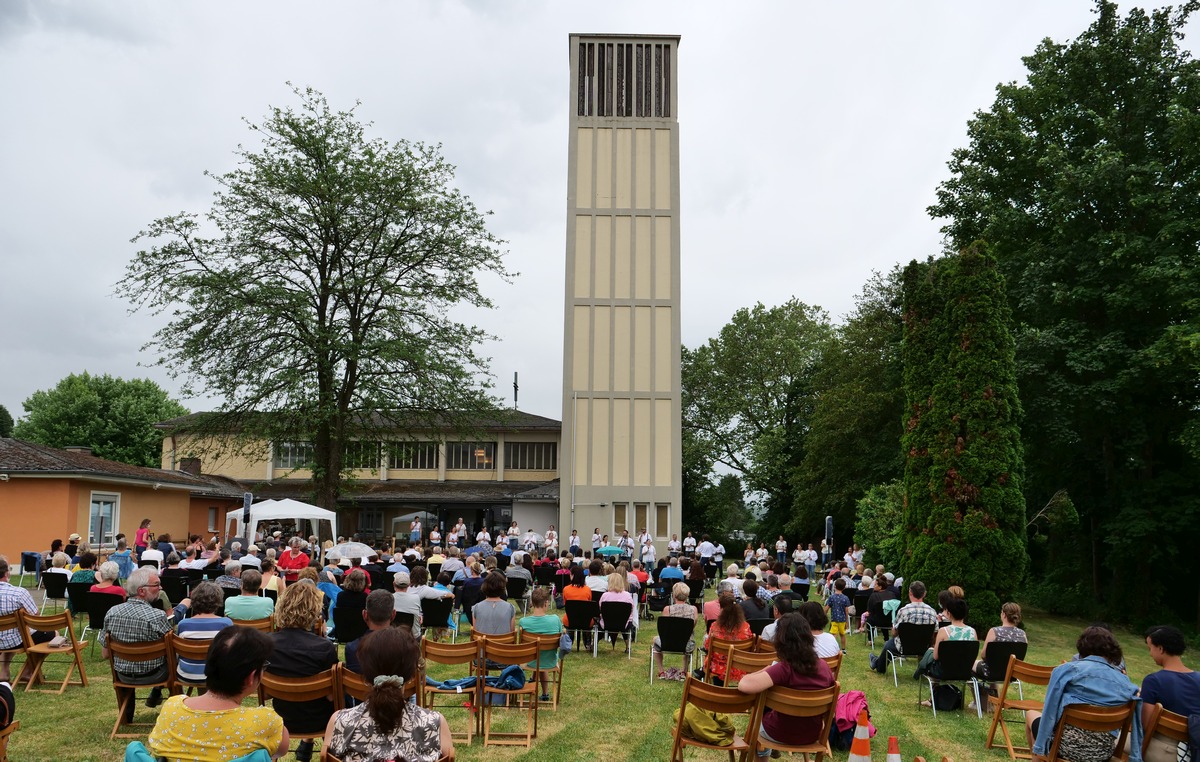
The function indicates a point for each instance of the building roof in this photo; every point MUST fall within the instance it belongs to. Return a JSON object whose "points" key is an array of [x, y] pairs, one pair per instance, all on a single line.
{"points": [[21, 458], [416, 491], [547, 491], [502, 419]]}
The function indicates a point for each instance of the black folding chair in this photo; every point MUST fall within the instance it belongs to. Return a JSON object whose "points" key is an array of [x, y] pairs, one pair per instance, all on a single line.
{"points": [[801, 589], [674, 633], [77, 595], [616, 623], [696, 592], [517, 588], [913, 640], [348, 624], [435, 615], [581, 616], [175, 586], [757, 625], [56, 589], [955, 660], [98, 606]]}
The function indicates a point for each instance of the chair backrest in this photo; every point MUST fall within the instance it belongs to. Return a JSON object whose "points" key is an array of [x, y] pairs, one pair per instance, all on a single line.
{"points": [[1164, 723], [356, 686], [175, 586], [12, 621], [45, 623], [435, 612], [915, 638], [434, 571], [1032, 674], [715, 699], [545, 575], [758, 625], [502, 561], [581, 614], [263, 624], [404, 618], [187, 648], [148, 562], [695, 590], [212, 572], [1095, 718], [136, 652], [506, 638], [597, 595], [797, 703], [674, 632], [724, 646], [56, 585], [348, 624], [748, 661], [956, 658], [450, 653], [229, 592], [835, 664], [29, 561], [272, 594], [860, 601], [98, 606], [323, 685], [545, 643], [77, 594], [998, 654], [516, 587], [615, 615], [763, 646], [193, 576], [509, 653], [801, 589]]}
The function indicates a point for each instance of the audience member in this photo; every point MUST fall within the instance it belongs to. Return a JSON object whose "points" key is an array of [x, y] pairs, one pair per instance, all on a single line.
{"points": [[203, 624], [215, 725], [249, 604], [1174, 686], [616, 593], [1008, 631], [956, 610], [679, 607], [916, 612], [232, 578], [405, 602], [106, 580], [13, 598], [300, 652], [825, 643], [542, 623], [730, 625], [85, 571], [494, 615], [378, 613]]}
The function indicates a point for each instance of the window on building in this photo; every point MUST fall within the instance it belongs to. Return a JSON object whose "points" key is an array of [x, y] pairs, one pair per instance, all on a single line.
{"points": [[624, 79], [293, 454], [361, 454], [640, 514], [662, 520], [531, 456], [620, 523], [212, 518], [471, 456], [102, 520], [413, 455]]}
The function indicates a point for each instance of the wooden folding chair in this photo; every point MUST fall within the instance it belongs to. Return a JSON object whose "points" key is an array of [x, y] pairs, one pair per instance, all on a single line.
{"points": [[263, 625], [13, 622], [797, 703], [1097, 718], [508, 638], [502, 653], [1018, 672], [38, 654], [356, 686], [323, 685], [725, 701], [127, 691], [433, 652], [4, 736], [723, 646], [1171, 726], [746, 661], [186, 648], [763, 646], [549, 643], [835, 664]]}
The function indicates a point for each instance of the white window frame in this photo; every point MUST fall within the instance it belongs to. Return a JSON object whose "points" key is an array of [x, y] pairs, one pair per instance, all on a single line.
{"points": [[112, 527]]}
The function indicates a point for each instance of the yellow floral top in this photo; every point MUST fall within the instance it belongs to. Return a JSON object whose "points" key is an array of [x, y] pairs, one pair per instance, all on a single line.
{"points": [[214, 736]]}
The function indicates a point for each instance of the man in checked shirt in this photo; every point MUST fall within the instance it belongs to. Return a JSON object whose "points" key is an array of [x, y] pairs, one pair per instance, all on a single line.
{"points": [[137, 621]]}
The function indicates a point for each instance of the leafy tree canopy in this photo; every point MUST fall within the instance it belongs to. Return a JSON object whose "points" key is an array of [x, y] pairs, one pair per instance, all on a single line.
{"points": [[1085, 182], [113, 416], [326, 281]]}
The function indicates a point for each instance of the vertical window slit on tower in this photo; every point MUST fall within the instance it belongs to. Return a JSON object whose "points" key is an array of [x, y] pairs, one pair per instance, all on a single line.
{"points": [[666, 81], [608, 80], [658, 55], [601, 105]]}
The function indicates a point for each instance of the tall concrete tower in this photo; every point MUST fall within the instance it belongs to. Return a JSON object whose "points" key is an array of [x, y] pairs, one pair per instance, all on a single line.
{"points": [[621, 457]]}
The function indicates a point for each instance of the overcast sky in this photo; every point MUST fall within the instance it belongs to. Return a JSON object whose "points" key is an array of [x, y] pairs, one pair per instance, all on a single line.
{"points": [[812, 138]]}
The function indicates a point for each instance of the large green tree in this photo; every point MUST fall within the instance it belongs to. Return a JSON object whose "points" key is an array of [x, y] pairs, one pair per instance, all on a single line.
{"points": [[964, 512], [113, 416], [853, 443], [324, 286], [1085, 181], [748, 397]]}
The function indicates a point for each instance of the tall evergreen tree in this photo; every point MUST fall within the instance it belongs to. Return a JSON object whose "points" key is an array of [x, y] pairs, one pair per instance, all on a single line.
{"points": [[965, 513]]}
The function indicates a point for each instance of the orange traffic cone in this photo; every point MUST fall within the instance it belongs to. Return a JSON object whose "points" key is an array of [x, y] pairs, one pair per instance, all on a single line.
{"points": [[893, 754], [860, 750]]}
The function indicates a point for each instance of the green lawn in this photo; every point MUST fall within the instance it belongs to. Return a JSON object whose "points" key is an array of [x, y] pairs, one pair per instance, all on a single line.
{"points": [[608, 711]]}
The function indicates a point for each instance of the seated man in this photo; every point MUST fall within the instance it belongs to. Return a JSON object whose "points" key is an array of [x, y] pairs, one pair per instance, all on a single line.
{"points": [[251, 558], [671, 573], [249, 605], [406, 602], [13, 598], [137, 621], [875, 613], [232, 578], [916, 612], [378, 615]]}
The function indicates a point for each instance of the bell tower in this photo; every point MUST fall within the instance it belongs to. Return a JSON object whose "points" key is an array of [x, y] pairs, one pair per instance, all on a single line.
{"points": [[621, 454]]}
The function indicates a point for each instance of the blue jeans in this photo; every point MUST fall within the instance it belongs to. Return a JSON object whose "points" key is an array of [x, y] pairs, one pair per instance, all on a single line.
{"points": [[811, 566], [781, 557]]}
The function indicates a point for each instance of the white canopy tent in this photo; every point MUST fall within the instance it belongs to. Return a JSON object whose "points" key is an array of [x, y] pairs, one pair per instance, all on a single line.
{"points": [[280, 510]]}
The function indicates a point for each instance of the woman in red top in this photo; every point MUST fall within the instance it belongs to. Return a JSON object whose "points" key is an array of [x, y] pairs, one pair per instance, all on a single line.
{"points": [[141, 539], [730, 625], [798, 667], [291, 561]]}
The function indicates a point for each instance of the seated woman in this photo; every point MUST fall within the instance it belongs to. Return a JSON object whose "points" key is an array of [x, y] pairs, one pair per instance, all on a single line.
{"points": [[352, 595], [300, 652], [956, 611], [825, 643], [86, 571], [678, 607], [58, 565], [203, 624], [753, 605], [730, 625], [617, 593], [1095, 679], [596, 580], [271, 580], [1008, 631], [106, 580], [494, 615], [798, 667], [215, 725], [388, 725], [1174, 686]]}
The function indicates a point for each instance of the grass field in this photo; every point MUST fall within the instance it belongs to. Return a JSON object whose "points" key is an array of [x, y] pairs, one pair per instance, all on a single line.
{"points": [[608, 711]]}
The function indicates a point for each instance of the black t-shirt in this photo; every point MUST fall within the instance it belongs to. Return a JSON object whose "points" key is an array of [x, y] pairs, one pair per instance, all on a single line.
{"points": [[302, 654]]}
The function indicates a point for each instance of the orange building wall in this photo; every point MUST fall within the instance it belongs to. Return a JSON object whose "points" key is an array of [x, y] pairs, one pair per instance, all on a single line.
{"points": [[33, 512]]}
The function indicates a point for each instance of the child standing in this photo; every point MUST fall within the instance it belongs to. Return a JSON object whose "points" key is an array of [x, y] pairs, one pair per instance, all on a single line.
{"points": [[836, 605]]}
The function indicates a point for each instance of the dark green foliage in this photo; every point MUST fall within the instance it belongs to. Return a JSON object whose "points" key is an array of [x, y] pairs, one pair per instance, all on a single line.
{"points": [[748, 397], [879, 524], [853, 440], [323, 286], [113, 416], [6, 422], [1085, 182], [964, 516]]}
